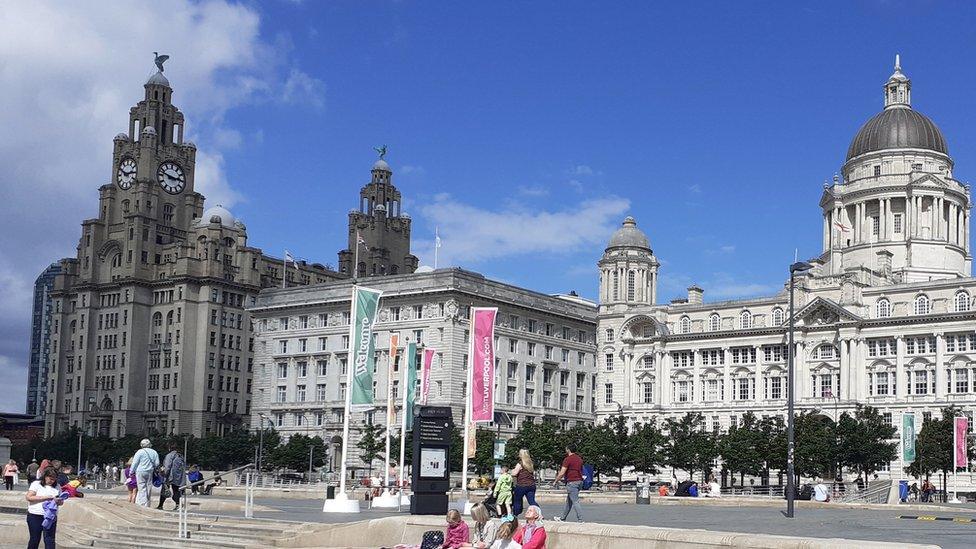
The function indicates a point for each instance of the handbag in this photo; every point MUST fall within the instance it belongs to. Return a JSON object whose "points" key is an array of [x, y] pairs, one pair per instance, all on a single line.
{"points": [[165, 492]]}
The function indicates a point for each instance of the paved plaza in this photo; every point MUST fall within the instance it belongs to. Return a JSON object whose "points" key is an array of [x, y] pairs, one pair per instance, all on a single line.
{"points": [[839, 522]]}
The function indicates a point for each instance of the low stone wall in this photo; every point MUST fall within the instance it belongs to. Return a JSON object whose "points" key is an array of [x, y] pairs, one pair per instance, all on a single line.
{"points": [[390, 531]]}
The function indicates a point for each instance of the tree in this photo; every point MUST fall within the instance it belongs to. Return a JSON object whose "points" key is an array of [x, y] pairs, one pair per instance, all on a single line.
{"points": [[933, 446], [772, 445], [689, 447], [295, 453], [815, 448], [608, 446], [371, 443], [544, 441], [407, 449], [740, 448], [863, 441], [484, 456], [646, 447]]}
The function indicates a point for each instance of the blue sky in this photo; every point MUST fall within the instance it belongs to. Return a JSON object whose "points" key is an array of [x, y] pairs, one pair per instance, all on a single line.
{"points": [[715, 128], [524, 131]]}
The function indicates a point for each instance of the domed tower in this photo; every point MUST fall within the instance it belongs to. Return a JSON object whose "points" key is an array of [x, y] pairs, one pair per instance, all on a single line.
{"points": [[898, 213], [628, 268], [379, 230]]}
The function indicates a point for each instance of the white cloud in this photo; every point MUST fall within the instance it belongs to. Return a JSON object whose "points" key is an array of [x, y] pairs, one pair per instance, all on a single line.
{"points": [[69, 75], [416, 170], [470, 233], [536, 190], [303, 89], [582, 169], [695, 189]]}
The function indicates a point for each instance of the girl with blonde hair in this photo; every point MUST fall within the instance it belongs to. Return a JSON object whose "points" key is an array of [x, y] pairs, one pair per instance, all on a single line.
{"points": [[525, 485]]}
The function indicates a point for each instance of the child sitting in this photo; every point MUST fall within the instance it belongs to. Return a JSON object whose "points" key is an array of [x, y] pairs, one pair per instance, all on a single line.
{"points": [[457, 531], [503, 492], [504, 538], [72, 487]]}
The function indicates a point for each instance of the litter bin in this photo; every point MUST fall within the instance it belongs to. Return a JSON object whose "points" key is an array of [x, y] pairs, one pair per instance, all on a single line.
{"points": [[903, 490], [330, 492], [643, 490]]}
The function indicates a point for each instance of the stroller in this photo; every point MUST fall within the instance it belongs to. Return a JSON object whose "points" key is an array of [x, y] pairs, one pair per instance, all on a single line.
{"points": [[491, 502]]}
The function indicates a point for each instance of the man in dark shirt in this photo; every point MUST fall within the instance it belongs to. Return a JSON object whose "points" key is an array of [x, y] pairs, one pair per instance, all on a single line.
{"points": [[572, 472]]}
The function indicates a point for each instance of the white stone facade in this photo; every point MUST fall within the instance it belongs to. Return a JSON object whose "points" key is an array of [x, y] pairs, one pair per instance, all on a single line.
{"points": [[886, 317], [545, 351]]}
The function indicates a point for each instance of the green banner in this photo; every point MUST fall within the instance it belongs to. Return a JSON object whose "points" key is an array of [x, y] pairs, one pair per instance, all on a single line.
{"points": [[410, 384], [908, 438], [365, 303]]}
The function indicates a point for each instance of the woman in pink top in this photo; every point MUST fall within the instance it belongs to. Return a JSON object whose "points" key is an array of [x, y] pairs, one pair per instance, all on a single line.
{"points": [[10, 471], [457, 531], [532, 534]]}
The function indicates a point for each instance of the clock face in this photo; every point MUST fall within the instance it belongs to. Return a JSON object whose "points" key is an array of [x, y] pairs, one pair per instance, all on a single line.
{"points": [[171, 177], [126, 173]]}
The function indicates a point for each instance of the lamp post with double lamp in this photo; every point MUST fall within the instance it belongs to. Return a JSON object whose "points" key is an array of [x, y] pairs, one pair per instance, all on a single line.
{"points": [[796, 268]]}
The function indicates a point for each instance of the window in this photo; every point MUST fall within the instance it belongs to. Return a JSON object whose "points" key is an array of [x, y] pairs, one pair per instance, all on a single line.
{"points": [[745, 320], [826, 352], [685, 325], [608, 335], [320, 392], [875, 226], [682, 390], [922, 305], [714, 322], [877, 171], [743, 355], [280, 394], [826, 386], [616, 284], [648, 388], [921, 382], [608, 362], [881, 384], [962, 380], [631, 286], [513, 370], [282, 371], [300, 393], [744, 385], [774, 353], [530, 397], [302, 368], [608, 393], [776, 387], [777, 316], [529, 372], [303, 321], [712, 390], [896, 223], [531, 349], [510, 395], [883, 308], [283, 346], [961, 302]]}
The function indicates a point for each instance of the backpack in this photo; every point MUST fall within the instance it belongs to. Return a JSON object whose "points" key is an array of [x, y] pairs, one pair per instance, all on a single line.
{"points": [[432, 539], [587, 476]]}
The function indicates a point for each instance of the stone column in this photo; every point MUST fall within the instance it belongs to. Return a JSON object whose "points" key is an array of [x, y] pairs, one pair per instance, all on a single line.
{"points": [[951, 233], [628, 377], [909, 222], [824, 233], [940, 373], [901, 380], [757, 395], [882, 219], [858, 226], [856, 390], [801, 377], [696, 376], [665, 377], [727, 375]]}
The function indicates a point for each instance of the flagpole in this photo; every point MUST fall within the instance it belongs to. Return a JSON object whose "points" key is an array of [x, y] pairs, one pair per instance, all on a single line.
{"points": [[355, 266], [403, 421], [467, 413], [437, 245]]}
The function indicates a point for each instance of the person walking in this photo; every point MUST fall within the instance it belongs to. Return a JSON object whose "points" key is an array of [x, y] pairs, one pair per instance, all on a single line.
{"points": [[572, 472], [32, 471], [174, 475], [144, 462], [524, 474], [10, 472], [40, 493]]}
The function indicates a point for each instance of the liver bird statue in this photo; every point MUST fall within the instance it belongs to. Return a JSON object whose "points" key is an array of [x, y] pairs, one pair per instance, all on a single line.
{"points": [[380, 151], [160, 59]]}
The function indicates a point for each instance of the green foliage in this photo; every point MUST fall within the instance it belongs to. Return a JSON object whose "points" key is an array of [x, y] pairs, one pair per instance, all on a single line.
{"points": [[815, 446], [863, 440], [372, 443], [690, 447], [933, 446], [646, 447], [741, 447], [294, 454], [484, 456], [544, 441], [407, 449]]}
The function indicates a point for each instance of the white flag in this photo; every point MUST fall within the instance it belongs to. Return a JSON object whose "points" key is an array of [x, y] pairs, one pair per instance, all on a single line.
{"points": [[289, 257], [437, 239]]}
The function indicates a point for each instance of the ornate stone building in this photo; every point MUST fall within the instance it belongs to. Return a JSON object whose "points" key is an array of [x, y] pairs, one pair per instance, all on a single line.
{"points": [[149, 327], [379, 232], [545, 350], [886, 317]]}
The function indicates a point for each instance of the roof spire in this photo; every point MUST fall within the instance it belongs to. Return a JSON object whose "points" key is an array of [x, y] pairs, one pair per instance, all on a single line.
{"points": [[897, 63], [898, 88]]}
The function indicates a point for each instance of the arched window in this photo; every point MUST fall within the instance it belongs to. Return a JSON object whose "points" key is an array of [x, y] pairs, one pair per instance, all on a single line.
{"points": [[229, 242], [117, 260], [714, 323], [631, 286], [883, 308], [777, 316], [125, 206], [609, 335], [826, 352], [922, 306], [157, 319], [962, 302], [685, 325], [169, 318], [745, 320], [616, 285]]}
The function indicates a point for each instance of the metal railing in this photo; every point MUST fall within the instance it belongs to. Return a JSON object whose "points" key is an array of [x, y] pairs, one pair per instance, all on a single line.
{"points": [[185, 492]]}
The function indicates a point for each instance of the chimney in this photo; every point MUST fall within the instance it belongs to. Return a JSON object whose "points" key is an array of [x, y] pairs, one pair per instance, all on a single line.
{"points": [[696, 296]]}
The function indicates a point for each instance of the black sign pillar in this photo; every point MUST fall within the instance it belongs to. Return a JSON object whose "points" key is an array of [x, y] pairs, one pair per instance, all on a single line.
{"points": [[431, 477]]}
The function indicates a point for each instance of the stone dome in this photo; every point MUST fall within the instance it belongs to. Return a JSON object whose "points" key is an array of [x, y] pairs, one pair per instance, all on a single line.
{"points": [[218, 214], [897, 127], [158, 79], [382, 165], [149, 130], [629, 236], [122, 137]]}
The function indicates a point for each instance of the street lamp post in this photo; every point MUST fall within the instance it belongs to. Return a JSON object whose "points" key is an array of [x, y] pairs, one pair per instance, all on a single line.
{"points": [[261, 441], [798, 267]]}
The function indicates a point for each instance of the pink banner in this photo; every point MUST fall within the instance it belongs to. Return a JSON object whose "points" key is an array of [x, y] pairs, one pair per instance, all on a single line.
{"points": [[425, 376], [961, 425], [483, 364]]}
